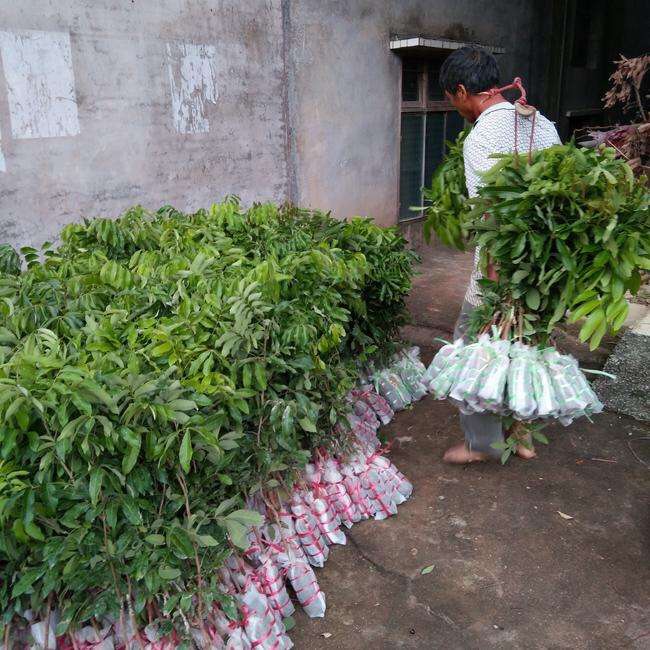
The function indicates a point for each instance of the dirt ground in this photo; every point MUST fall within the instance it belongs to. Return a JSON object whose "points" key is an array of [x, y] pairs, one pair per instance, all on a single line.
{"points": [[551, 553]]}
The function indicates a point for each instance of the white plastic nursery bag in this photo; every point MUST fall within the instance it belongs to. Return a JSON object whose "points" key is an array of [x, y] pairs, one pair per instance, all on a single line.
{"points": [[411, 376], [328, 521], [468, 382], [377, 403], [392, 388], [304, 583], [398, 487], [444, 357], [586, 396], [354, 488], [375, 493], [238, 640], [273, 587], [543, 389], [521, 396], [442, 382], [491, 393], [263, 626], [569, 402], [308, 532], [203, 639], [338, 494]]}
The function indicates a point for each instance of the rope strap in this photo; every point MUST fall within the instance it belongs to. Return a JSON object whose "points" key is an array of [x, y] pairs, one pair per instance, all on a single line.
{"points": [[521, 108]]}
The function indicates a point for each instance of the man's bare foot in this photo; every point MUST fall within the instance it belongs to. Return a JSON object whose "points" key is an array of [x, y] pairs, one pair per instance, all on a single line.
{"points": [[526, 451], [460, 455]]}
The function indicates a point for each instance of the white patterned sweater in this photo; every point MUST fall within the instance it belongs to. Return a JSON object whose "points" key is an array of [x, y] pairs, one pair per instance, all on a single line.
{"points": [[494, 132]]}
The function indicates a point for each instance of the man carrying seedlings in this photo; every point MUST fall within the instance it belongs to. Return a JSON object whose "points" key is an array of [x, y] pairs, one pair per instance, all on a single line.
{"points": [[469, 78]]}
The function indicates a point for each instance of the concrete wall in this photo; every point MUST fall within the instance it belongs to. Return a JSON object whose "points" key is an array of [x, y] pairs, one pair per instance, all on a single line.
{"points": [[345, 88], [108, 103]]}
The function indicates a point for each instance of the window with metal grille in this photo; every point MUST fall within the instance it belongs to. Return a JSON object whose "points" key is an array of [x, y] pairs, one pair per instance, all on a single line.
{"points": [[428, 120]]}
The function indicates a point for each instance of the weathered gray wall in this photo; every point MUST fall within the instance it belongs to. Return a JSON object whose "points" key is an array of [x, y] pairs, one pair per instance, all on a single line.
{"points": [[345, 94], [292, 99], [128, 149]]}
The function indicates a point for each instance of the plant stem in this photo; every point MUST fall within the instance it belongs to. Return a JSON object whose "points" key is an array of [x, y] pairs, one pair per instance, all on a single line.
{"points": [[115, 582], [197, 562], [6, 639], [47, 622], [134, 623]]}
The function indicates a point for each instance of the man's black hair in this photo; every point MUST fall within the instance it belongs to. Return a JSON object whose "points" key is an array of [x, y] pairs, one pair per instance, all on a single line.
{"points": [[473, 67]]}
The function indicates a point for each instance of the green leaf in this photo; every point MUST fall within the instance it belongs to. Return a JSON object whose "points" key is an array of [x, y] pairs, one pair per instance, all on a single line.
{"points": [[589, 293], [111, 513], [62, 626], [185, 453], [618, 288], [287, 421], [130, 458], [26, 580], [155, 540], [246, 517], [226, 505], [180, 543], [598, 335], [428, 569], [34, 531], [595, 319], [238, 533], [583, 310], [307, 425], [246, 376], [518, 276], [169, 573], [620, 318], [95, 484], [260, 376], [131, 511], [532, 299], [182, 405], [540, 437], [558, 313]]}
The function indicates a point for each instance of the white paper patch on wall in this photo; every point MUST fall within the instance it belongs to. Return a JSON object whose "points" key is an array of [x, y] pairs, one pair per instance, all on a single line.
{"points": [[193, 82], [40, 84]]}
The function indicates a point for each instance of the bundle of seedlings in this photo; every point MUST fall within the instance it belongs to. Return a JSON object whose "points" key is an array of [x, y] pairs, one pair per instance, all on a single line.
{"points": [[446, 203], [162, 377], [569, 232]]}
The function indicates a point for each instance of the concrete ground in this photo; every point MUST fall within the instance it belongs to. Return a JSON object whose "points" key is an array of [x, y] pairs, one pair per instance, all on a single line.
{"points": [[551, 553]]}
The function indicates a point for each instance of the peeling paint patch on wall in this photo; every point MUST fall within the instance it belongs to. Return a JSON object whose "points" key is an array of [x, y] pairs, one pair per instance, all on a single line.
{"points": [[193, 82], [40, 84]]}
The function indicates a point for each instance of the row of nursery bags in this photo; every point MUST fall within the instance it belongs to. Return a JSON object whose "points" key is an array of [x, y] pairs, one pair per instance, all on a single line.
{"points": [[333, 495]]}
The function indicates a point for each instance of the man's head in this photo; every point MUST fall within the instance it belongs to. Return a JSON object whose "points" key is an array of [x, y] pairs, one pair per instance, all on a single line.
{"points": [[464, 74]]}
